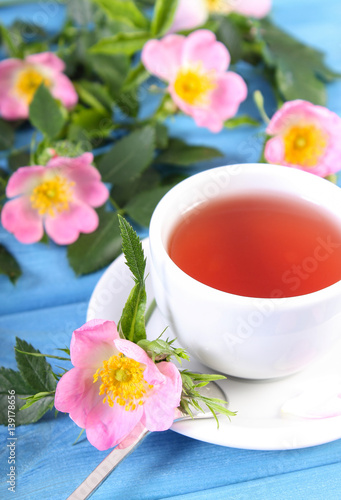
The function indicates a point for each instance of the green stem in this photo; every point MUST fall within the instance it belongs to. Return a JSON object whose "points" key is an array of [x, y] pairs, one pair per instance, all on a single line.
{"points": [[116, 206], [40, 355], [259, 101]]}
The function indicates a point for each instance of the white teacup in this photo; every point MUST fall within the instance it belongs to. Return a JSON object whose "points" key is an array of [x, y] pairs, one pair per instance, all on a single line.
{"points": [[242, 336]]}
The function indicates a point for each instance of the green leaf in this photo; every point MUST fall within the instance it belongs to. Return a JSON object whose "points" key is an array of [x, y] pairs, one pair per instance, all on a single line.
{"points": [[9, 265], [89, 127], [229, 34], [94, 122], [181, 154], [137, 75], [164, 12], [94, 94], [191, 396], [45, 113], [18, 159], [98, 249], [132, 322], [141, 206], [122, 43], [11, 380], [36, 372], [162, 350], [124, 11], [162, 139], [12, 41], [123, 193], [112, 69], [238, 121], [128, 103], [133, 251], [129, 157], [6, 135], [300, 71]]}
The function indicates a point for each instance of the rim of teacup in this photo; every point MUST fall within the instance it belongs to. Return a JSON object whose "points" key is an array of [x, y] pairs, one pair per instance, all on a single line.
{"points": [[160, 218]]}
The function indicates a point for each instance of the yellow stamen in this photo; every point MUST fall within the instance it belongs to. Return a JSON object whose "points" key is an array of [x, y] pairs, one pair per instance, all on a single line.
{"points": [[122, 382], [51, 196], [304, 145], [220, 6], [28, 82], [194, 86]]}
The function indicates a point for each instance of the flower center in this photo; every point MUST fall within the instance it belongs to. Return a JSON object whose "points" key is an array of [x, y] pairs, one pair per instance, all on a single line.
{"points": [[304, 145], [52, 196], [194, 86], [122, 382], [220, 6], [28, 82]]}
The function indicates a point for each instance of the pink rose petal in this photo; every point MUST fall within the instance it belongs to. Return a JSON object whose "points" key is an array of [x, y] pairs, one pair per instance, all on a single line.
{"points": [[189, 15], [64, 90], [202, 47], [24, 180], [151, 373], [76, 394], [18, 217], [65, 227], [48, 60], [93, 343], [160, 408], [252, 8], [163, 57], [106, 427]]}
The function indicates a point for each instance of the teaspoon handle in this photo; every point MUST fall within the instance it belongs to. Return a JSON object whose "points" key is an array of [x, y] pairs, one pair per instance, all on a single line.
{"points": [[104, 469]]}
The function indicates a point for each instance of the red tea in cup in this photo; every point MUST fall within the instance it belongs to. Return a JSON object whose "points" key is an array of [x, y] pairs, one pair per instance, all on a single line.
{"points": [[259, 245]]}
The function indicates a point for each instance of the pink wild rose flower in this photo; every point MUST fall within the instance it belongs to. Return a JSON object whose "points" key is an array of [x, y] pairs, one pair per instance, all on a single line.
{"points": [[114, 389], [19, 80], [305, 136], [58, 197], [191, 14], [195, 69]]}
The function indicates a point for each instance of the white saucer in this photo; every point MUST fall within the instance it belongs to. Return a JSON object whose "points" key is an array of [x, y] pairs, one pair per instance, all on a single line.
{"points": [[261, 423]]}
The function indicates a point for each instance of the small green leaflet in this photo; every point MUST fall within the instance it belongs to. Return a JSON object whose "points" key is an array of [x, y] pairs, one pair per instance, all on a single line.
{"points": [[122, 43], [164, 12], [124, 11], [34, 376], [162, 350], [142, 205], [184, 155], [8, 265], [36, 371], [98, 249], [129, 157], [45, 113], [300, 71], [133, 251], [136, 76], [132, 323], [6, 135], [191, 383]]}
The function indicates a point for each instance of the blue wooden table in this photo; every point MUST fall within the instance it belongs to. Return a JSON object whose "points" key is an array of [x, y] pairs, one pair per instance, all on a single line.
{"points": [[49, 302]]}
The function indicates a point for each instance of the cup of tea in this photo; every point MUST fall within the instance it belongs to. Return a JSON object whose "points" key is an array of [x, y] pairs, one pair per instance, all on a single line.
{"points": [[246, 268]]}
